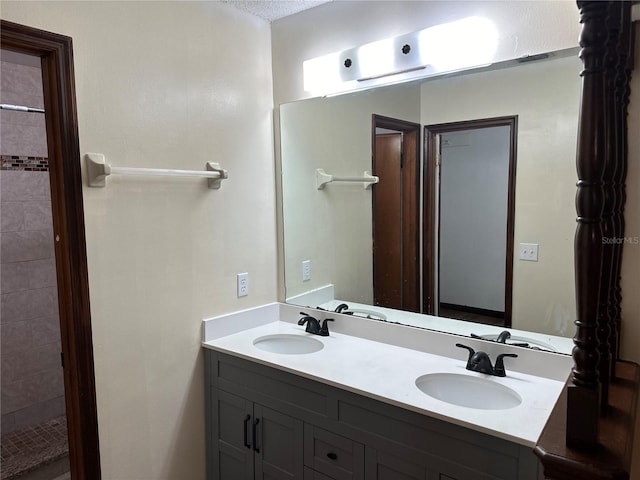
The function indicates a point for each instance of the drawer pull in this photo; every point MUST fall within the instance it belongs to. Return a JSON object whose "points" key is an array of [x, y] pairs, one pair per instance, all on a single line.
{"points": [[332, 456], [255, 435], [246, 434]]}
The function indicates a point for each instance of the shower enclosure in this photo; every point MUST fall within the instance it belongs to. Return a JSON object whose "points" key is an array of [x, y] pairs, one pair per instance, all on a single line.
{"points": [[34, 428]]}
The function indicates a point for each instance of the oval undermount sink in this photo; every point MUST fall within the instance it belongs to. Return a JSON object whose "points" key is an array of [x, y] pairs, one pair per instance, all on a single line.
{"points": [[288, 344], [468, 391]]}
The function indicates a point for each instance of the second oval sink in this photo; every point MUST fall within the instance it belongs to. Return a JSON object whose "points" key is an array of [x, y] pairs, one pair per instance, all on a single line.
{"points": [[288, 344], [468, 391]]}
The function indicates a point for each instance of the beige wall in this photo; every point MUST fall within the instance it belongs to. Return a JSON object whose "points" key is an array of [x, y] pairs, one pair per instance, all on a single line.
{"points": [[172, 85]]}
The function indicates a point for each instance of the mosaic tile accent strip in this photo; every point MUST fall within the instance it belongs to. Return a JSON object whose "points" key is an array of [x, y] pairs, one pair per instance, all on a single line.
{"points": [[24, 163], [25, 450]]}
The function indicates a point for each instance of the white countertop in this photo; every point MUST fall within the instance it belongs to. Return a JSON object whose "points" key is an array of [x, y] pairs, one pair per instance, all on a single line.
{"points": [[388, 372]]}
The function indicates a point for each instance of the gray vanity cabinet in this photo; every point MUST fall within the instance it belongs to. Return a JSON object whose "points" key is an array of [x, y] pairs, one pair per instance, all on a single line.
{"points": [[254, 441], [308, 430]]}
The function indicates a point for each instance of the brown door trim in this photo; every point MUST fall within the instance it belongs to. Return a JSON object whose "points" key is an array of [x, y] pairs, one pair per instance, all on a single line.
{"points": [[411, 203], [430, 155], [56, 52]]}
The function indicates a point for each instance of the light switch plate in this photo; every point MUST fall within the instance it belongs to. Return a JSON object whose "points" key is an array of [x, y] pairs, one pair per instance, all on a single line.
{"points": [[529, 252]]}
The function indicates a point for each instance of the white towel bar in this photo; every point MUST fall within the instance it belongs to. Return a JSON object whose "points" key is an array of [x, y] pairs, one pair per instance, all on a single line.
{"points": [[98, 171], [323, 178]]}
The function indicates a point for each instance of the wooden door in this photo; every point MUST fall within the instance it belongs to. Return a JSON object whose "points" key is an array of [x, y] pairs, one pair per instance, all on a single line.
{"points": [[387, 242], [396, 282]]}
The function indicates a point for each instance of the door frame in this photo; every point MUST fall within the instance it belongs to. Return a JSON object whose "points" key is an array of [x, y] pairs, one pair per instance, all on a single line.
{"points": [[411, 230], [431, 132], [65, 176]]}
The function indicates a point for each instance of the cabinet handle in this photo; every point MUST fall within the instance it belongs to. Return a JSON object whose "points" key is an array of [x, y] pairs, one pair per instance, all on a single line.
{"points": [[255, 435], [246, 433], [332, 456]]}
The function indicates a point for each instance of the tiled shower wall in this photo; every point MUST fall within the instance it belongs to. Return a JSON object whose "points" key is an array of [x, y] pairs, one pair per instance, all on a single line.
{"points": [[32, 384]]}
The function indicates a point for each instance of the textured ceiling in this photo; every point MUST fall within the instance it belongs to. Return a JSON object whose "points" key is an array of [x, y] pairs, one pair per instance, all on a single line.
{"points": [[274, 9]]}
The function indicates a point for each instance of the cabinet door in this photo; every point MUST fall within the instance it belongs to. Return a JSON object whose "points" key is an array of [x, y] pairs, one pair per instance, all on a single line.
{"points": [[385, 466], [278, 448], [233, 457]]}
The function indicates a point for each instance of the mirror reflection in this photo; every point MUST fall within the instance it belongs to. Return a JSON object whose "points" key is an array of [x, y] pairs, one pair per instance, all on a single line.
{"points": [[422, 246]]}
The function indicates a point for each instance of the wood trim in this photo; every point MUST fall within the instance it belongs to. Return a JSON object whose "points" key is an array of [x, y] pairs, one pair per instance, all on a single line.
{"points": [[411, 202], [612, 459], [56, 52], [429, 266]]}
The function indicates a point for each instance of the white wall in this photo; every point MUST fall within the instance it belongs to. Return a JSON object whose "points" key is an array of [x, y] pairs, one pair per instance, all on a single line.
{"points": [[332, 227], [173, 85], [474, 181]]}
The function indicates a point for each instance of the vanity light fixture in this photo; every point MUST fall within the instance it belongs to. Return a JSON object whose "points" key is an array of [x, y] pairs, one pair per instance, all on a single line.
{"points": [[462, 44]]}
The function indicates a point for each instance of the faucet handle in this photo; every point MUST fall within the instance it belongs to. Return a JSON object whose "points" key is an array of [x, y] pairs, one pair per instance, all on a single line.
{"points": [[324, 330], [472, 352], [313, 326], [499, 370]]}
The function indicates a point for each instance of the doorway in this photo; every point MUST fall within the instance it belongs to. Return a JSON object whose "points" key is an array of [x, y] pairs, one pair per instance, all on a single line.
{"points": [[55, 53], [469, 219], [396, 213]]}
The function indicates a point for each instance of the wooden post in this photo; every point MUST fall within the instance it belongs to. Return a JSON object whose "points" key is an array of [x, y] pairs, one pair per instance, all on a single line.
{"points": [[624, 67], [583, 400]]}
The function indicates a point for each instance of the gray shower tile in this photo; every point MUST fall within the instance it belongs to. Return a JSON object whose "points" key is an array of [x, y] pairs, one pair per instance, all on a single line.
{"points": [[32, 119], [23, 140], [27, 245], [42, 273], [24, 363], [25, 335], [8, 423], [17, 395], [45, 330], [37, 215], [29, 304], [39, 412], [22, 186], [43, 302], [16, 336], [14, 306], [29, 275], [15, 276], [21, 79], [11, 217]]}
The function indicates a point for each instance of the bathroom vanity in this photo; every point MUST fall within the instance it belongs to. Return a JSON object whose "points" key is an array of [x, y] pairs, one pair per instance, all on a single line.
{"points": [[356, 408]]}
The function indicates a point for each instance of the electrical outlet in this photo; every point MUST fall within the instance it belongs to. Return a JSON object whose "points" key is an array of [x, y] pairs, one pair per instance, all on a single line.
{"points": [[529, 252], [306, 270], [243, 284]]}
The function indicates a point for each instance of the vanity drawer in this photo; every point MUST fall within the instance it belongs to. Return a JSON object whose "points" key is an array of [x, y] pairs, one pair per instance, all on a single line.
{"points": [[313, 475], [338, 457]]}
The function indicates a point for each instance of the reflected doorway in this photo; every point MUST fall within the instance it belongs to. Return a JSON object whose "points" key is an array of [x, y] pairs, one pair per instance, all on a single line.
{"points": [[470, 219], [396, 215]]}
